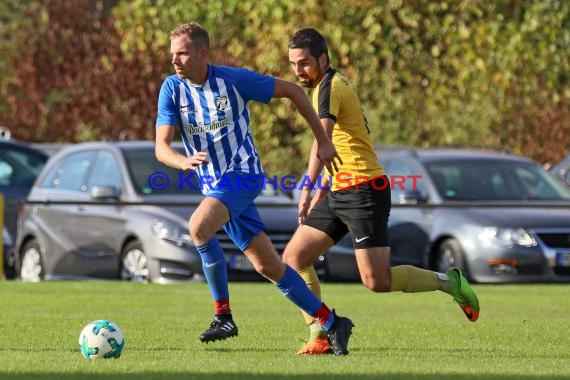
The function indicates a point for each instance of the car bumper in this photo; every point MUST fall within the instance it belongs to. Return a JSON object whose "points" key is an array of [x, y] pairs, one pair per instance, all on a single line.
{"points": [[169, 263], [518, 265]]}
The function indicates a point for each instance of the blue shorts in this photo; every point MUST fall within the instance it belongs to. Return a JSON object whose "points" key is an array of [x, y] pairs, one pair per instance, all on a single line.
{"points": [[245, 222]]}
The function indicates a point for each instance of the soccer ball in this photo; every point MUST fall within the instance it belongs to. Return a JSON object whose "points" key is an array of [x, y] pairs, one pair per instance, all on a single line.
{"points": [[101, 339]]}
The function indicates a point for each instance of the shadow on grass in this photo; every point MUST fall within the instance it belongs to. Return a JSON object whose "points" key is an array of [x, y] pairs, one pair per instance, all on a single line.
{"points": [[275, 376]]}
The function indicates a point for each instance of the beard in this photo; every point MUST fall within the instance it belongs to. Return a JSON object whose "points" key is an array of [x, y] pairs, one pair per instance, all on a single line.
{"points": [[307, 82], [311, 82]]}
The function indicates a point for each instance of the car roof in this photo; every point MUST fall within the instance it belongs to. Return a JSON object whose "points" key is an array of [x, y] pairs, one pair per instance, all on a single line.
{"points": [[22, 146], [123, 145], [113, 145], [105, 144], [447, 154]]}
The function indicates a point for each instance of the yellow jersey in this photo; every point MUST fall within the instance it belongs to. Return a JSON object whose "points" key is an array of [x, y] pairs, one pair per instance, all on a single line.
{"points": [[335, 98]]}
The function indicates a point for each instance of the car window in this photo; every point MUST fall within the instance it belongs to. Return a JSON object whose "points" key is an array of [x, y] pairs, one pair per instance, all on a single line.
{"points": [[105, 171], [19, 167], [70, 173], [399, 173], [149, 176], [494, 180], [6, 172]]}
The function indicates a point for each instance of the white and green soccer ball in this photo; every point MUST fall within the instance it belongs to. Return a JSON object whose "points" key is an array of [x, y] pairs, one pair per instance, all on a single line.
{"points": [[101, 339]]}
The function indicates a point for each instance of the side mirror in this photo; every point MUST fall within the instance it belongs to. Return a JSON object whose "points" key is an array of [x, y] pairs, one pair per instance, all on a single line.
{"points": [[410, 197], [104, 192]]}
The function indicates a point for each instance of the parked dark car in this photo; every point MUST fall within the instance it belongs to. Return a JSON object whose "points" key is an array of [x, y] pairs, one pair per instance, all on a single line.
{"points": [[95, 212], [20, 164], [562, 169], [500, 217]]}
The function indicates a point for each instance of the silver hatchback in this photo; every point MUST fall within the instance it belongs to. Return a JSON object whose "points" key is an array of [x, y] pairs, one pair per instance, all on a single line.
{"points": [[111, 210]]}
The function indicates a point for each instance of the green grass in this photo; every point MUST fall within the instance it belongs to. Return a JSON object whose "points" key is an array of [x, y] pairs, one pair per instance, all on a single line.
{"points": [[523, 333]]}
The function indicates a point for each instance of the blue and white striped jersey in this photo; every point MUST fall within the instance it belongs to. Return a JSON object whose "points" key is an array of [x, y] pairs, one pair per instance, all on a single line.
{"points": [[215, 117]]}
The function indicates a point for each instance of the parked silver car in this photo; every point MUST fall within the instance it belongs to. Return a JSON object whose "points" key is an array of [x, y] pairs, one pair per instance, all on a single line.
{"points": [[500, 217], [111, 210]]}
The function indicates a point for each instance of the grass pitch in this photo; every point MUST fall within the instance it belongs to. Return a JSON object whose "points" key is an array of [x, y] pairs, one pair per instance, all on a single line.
{"points": [[523, 333]]}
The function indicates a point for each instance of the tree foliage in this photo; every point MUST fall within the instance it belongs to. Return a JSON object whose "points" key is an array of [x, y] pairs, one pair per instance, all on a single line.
{"points": [[70, 80], [428, 73]]}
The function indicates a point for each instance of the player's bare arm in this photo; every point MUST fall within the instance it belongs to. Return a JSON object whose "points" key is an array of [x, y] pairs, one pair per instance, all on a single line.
{"points": [[326, 152], [314, 169], [166, 154]]}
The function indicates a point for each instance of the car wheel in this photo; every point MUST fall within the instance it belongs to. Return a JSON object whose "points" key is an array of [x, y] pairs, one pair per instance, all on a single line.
{"points": [[31, 268], [450, 254], [134, 265], [9, 267]]}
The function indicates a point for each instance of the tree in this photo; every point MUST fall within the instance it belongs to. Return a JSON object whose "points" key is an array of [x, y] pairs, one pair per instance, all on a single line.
{"points": [[71, 81], [428, 73]]}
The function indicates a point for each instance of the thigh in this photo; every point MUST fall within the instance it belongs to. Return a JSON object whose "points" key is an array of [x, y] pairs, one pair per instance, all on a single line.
{"points": [[373, 264], [207, 219], [305, 246]]}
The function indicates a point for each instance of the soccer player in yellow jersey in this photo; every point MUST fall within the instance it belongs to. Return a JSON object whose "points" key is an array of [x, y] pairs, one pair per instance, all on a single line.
{"points": [[353, 204]]}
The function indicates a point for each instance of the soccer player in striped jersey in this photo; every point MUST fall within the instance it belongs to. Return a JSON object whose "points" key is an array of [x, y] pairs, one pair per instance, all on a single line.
{"points": [[363, 208], [209, 104]]}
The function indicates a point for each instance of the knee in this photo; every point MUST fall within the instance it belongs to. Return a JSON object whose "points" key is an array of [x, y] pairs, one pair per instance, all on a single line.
{"points": [[270, 270], [263, 269], [296, 259], [198, 234], [289, 259], [377, 285]]}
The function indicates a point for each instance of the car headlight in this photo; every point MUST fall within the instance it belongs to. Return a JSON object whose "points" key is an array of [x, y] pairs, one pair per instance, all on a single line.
{"points": [[171, 232], [506, 237]]}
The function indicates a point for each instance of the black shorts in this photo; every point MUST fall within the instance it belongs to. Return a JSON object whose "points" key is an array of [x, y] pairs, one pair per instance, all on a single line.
{"points": [[363, 210]]}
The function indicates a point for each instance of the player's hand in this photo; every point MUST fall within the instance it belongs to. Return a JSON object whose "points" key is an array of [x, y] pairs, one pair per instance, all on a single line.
{"points": [[304, 205], [191, 163], [327, 154]]}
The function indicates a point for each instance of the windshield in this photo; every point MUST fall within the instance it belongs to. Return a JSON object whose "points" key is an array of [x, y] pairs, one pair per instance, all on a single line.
{"points": [[495, 180], [19, 167], [149, 176]]}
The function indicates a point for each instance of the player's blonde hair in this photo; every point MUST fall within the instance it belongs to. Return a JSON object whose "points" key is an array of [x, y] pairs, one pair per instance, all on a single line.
{"points": [[195, 33]]}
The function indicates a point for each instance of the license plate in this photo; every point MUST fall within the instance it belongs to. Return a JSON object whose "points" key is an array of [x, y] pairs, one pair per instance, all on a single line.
{"points": [[563, 259], [240, 262]]}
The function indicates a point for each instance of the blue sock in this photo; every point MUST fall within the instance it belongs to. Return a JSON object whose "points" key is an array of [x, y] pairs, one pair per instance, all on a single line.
{"points": [[328, 324], [214, 267], [295, 289]]}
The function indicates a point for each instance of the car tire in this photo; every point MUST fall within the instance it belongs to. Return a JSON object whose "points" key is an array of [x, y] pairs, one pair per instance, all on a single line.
{"points": [[9, 267], [32, 267], [134, 263], [450, 254]]}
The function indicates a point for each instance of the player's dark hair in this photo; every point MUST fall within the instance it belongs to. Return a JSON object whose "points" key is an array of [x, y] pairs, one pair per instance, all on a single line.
{"points": [[309, 38], [195, 32]]}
